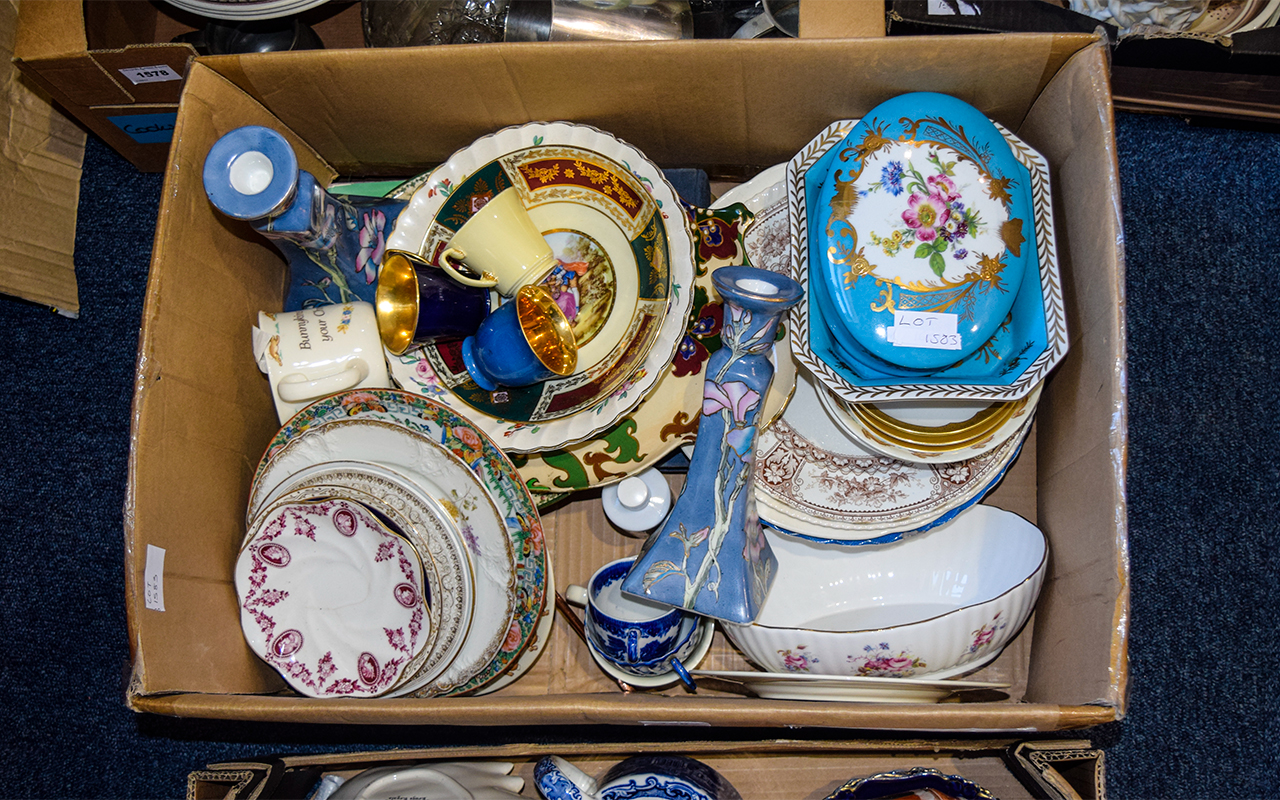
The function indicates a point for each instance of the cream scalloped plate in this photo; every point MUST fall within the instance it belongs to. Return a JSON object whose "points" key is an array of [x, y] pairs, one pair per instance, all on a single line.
{"points": [[845, 689], [614, 222], [864, 430]]}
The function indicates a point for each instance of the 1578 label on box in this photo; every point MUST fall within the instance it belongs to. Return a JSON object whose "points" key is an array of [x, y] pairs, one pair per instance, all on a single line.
{"points": [[157, 73]]}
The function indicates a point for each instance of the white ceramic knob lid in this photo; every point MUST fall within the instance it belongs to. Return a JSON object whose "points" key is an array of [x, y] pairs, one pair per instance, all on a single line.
{"points": [[638, 503], [633, 493]]}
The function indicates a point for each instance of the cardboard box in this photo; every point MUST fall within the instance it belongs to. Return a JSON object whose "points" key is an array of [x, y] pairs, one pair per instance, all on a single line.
{"points": [[202, 413], [40, 160], [1235, 77], [113, 65], [760, 770]]}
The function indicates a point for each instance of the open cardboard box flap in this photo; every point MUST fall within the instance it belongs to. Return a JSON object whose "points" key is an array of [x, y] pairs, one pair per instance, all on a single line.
{"points": [[40, 156], [203, 414], [778, 769]]}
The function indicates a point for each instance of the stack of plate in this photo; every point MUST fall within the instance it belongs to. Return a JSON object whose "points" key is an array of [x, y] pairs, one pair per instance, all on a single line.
{"points": [[615, 224], [432, 495], [923, 234]]}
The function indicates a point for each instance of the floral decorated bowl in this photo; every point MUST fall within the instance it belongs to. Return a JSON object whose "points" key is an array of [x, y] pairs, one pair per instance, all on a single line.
{"points": [[936, 605], [925, 217]]}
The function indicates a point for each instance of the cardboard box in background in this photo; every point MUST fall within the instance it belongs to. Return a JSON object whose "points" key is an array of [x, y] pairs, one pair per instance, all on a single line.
{"points": [[112, 64], [1064, 769], [201, 424], [40, 157], [1214, 78]]}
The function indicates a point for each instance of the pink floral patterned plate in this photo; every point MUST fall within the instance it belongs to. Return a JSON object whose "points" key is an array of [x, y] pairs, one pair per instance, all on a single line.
{"points": [[331, 598]]}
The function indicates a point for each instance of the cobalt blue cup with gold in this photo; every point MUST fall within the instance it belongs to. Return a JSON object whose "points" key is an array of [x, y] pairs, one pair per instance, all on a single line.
{"points": [[524, 341], [417, 303]]}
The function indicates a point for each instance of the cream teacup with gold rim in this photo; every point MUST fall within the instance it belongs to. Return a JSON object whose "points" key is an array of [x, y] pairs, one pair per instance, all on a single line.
{"points": [[501, 244], [314, 352]]}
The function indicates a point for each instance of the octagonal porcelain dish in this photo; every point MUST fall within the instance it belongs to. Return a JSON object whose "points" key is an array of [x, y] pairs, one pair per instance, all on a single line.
{"points": [[934, 606], [331, 598], [1030, 342], [626, 266]]}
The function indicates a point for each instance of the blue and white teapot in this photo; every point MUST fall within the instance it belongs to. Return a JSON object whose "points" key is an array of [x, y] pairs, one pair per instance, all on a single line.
{"points": [[651, 777]]}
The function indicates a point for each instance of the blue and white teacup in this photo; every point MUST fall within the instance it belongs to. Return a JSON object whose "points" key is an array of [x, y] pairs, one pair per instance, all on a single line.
{"points": [[647, 777], [624, 629]]}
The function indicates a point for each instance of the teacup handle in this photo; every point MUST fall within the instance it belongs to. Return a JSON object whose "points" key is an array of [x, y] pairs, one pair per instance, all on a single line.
{"points": [[577, 595], [485, 281], [296, 388], [683, 674]]}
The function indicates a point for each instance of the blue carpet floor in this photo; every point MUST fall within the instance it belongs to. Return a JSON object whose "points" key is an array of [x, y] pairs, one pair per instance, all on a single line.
{"points": [[1202, 271]]}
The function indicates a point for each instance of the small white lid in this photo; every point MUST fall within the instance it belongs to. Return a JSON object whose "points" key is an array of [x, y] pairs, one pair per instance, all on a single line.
{"points": [[638, 503]]}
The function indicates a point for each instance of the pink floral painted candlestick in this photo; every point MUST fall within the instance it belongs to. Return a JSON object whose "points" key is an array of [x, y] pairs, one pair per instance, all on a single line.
{"points": [[711, 556]]}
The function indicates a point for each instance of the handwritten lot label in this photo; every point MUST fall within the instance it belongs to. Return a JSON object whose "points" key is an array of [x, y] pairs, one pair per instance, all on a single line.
{"points": [[153, 579], [925, 329]]}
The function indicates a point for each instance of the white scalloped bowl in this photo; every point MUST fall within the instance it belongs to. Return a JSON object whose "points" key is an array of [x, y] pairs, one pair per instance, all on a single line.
{"points": [[936, 605]]}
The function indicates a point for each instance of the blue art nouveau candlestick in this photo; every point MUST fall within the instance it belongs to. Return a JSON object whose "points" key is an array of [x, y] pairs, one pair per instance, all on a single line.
{"points": [[711, 556], [334, 245]]}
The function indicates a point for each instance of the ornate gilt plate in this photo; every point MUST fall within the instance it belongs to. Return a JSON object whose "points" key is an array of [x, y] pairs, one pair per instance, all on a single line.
{"points": [[626, 265]]}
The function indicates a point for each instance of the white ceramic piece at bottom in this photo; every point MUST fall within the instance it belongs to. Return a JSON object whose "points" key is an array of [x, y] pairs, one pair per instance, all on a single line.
{"points": [[876, 442], [639, 503], [813, 480], [313, 352], [432, 533], [440, 475], [938, 604], [479, 780], [331, 599], [702, 645], [846, 689]]}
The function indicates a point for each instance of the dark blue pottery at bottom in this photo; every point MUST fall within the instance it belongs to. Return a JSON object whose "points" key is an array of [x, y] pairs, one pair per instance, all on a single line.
{"points": [[647, 777]]}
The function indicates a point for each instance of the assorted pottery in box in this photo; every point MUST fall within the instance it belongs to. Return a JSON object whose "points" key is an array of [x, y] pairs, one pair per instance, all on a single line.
{"points": [[854, 342]]}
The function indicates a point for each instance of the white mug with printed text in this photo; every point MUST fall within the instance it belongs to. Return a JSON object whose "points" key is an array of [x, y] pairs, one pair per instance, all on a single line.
{"points": [[315, 352]]}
